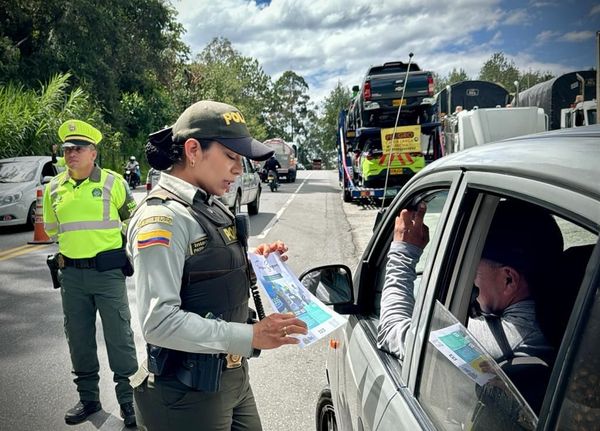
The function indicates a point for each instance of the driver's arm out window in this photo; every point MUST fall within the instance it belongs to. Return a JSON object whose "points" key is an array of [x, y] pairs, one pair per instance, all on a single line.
{"points": [[400, 278]]}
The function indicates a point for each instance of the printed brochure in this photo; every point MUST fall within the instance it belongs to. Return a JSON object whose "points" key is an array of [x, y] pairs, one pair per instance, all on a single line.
{"points": [[287, 295], [458, 346]]}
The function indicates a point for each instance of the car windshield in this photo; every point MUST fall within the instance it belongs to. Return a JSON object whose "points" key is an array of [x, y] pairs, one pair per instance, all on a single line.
{"points": [[17, 172]]}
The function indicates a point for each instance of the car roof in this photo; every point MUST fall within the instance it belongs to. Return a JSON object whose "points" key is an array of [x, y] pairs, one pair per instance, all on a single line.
{"points": [[566, 157], [27, 159]]}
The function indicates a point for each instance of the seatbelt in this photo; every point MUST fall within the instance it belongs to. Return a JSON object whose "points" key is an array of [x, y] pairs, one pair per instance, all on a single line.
{"points": [[495, 325]]}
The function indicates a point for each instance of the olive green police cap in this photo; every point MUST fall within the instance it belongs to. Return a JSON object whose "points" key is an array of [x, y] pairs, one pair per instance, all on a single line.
{"points": [[215, 121], [77, 132]]}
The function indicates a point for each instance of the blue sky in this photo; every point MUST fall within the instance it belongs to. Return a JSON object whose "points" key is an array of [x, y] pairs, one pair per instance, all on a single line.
{"points": [[327, 41]]}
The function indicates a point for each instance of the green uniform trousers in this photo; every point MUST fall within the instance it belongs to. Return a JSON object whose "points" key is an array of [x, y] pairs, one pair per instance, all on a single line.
{"points": [[85, 292], [165, 404]]}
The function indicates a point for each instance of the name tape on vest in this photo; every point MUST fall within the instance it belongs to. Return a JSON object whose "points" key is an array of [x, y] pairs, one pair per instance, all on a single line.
{"points": [[155, 219], [199, 245]]}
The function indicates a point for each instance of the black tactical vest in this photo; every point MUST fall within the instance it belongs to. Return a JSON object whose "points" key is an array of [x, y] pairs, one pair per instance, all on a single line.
{"points": [[215, 275]]}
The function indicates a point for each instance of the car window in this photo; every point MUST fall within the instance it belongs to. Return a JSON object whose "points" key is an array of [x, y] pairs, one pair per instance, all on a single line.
{"points": [[48, 170], [451, 397], [462, 387], [17, 172], [580, 408], [435, 199]]}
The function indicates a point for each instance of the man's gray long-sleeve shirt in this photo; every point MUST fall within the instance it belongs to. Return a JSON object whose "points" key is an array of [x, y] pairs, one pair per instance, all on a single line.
{"points": [[397, 304]]}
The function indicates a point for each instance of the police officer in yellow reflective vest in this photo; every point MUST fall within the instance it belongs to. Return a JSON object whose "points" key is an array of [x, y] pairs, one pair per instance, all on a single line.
{"points": [[84, 206]]}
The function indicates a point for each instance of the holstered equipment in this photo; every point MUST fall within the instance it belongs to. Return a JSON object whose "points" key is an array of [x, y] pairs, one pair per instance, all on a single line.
{"points": [[54, 262]]}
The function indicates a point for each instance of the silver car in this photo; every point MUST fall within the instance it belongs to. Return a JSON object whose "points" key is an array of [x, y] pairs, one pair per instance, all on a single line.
{"points": [[20, 178], [433, 389], [245, 190]]}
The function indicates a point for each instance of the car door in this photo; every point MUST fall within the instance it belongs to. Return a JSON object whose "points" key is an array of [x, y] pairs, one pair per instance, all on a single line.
{"points": [[449, 398], [366, 382], [246, 181], [251, 183]]}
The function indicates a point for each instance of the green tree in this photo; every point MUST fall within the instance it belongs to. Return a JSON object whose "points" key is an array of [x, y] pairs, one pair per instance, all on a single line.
{"points": [[110, 46], [454, 76], [500, 70], [289, 107], [533, 77], [29, 119]]}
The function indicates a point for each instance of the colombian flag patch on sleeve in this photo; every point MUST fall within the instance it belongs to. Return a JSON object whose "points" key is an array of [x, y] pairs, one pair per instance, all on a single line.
{"points": [[154, 237]]}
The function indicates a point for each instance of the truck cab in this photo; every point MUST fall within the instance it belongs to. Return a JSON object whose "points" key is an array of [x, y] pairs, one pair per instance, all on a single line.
{"points": [[582, 114]]}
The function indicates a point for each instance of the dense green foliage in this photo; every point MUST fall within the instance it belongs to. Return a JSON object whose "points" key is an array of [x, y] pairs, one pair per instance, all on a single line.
{"points": [[122, 66]]}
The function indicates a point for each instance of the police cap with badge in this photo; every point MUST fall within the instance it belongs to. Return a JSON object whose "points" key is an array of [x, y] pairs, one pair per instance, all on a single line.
{"points": [[75, 133], [212, 121]]}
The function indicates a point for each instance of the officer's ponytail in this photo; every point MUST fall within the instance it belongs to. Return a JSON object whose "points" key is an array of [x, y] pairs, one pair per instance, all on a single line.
{"points": [[162, 152]]}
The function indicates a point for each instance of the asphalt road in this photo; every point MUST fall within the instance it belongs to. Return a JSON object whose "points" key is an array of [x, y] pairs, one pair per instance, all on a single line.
{"points": [[35, 383]]}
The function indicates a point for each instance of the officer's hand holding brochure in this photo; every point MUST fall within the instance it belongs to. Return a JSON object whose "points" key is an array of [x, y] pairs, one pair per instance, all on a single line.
{"points": [[287, 295]]}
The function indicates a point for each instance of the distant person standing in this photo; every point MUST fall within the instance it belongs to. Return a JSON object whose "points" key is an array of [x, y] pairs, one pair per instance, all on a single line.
{"points": [[84, 206]]}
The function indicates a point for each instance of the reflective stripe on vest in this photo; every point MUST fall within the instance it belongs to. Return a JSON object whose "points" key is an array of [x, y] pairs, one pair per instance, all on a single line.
{"points": [[84, 237]]}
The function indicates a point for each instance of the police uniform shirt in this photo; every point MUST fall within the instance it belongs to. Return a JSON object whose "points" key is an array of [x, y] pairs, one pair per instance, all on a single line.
{"points": [[160, 237]]}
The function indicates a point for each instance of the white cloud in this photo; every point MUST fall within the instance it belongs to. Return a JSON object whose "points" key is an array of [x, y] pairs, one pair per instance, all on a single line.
{"points": [[595, 10], [577, 36], [543, 4], [546, 36], [336, 40], [516, 17]]}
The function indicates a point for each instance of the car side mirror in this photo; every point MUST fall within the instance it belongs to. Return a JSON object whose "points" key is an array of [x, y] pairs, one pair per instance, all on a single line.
{"points": [[331, 284], [46, 179]]}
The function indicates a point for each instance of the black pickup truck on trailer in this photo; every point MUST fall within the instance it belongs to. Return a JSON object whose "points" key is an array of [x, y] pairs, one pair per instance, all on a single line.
{"points": [[380, 95]]}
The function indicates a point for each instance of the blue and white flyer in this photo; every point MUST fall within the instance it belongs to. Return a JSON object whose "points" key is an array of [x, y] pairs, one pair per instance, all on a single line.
{"points": [[463, 351], [287, 295]]}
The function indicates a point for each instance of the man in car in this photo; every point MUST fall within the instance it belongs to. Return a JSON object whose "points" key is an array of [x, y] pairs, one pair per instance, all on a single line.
{"points": [[522, 243]]}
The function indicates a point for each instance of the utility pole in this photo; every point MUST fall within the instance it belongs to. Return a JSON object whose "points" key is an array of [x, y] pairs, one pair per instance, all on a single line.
{"points": [[597, 67]]}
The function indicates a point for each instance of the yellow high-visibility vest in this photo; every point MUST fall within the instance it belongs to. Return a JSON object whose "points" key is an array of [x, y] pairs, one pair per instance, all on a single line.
{"points": [[86, 217]]}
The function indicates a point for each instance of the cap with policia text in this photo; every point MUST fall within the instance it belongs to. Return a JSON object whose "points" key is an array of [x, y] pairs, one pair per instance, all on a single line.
{"points": [[77, 132], [216, 121]]}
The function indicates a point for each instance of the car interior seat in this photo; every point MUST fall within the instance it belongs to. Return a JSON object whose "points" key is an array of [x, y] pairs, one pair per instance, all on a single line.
{"points": [[553, 308], [555, 305]]}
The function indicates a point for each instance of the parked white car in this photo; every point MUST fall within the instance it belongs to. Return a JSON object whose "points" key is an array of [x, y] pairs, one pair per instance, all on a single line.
{"points": [[20, 178], [558, 172], [245, 190], [152, 179]]}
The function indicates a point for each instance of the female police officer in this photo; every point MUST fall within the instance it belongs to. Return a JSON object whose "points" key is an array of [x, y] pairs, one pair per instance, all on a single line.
{"points": [[192, 279]]}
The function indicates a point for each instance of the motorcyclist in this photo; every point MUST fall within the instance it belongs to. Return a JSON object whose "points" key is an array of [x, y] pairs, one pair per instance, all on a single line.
{"points": [[134, 167], [272, 165]]}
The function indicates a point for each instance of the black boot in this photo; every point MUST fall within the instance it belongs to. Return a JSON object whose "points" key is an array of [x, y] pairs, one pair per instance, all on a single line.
{"points": [[128, 414], [81, 411]]}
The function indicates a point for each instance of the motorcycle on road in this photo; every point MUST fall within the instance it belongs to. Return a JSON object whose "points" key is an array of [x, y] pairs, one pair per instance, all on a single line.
{"points": [[131, 178], [272, 181]]}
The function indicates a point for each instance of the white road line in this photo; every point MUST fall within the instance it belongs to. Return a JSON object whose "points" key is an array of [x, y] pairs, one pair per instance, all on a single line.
{"points": [[275, 219]]}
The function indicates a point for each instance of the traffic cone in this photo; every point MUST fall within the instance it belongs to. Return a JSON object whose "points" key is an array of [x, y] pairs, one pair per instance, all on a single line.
{"points": [[39, 234]]}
